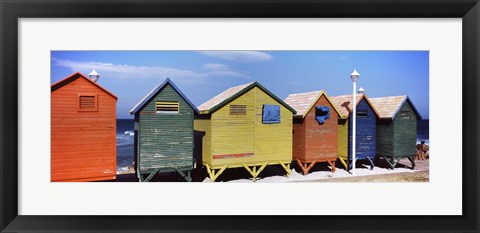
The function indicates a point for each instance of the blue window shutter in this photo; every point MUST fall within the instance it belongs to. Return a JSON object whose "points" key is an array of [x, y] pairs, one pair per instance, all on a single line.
{"points": [[322, 113], [271, 114]]}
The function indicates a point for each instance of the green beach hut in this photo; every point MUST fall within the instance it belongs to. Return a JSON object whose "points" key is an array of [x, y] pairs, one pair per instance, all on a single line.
{"points": [[396, 128], [164, 132]]}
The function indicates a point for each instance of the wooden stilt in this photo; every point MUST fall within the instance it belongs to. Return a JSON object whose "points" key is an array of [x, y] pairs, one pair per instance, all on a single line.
{"points": [[304, 167], [149, 177], [412, 160], [187, 176], [214, 175], [332, 163], [254, 171], [286, 167], [343, 162], [372, 164]]}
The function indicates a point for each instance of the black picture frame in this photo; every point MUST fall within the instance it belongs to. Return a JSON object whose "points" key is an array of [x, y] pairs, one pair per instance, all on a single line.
{"points": [[11, 11]]}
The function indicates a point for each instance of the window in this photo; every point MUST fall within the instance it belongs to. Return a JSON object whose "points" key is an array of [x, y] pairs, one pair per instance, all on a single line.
{"points": [[271, 114], [362, 113], [322, 113], [238, 109], [405, 115], [167, 107], [87, 103]]}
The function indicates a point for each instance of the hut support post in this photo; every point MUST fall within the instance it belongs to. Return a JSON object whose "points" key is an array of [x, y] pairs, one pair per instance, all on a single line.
{"points": [[343, 162], [149, 177], [211, 172], [372, 164], [332, 164], [286, 167], [187, 176], [254, 172], [412, 160], [304, 166], [393, 161]]}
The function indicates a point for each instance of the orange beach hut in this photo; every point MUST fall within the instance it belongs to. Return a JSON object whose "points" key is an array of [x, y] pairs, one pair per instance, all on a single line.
{"points": [[314, 129], [83, 125]]}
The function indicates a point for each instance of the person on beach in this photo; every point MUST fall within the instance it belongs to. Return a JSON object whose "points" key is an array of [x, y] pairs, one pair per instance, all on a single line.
{"points": [[421, 150]]}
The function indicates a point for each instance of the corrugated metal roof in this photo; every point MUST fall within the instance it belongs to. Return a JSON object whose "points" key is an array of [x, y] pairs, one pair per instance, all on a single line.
{"points": [[213, 102], [303, 102], [154, 92]]}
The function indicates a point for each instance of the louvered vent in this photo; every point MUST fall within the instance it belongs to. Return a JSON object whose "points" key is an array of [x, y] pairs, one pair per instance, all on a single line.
{"points": [[87, 102], [238, 109], [167, 107]]}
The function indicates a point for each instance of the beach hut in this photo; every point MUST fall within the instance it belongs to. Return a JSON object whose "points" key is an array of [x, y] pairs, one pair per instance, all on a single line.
{"points": [[314, 129], [365, 129], [163, 128], [245, 126], [83, 130], [396, 128]]}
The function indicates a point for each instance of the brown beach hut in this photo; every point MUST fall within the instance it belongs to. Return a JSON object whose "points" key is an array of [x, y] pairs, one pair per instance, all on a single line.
{"points": [[314, 129], [83, 125]]}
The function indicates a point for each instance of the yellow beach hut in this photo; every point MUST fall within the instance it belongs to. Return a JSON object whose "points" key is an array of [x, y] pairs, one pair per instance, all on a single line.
{"points": [[245, 126]]}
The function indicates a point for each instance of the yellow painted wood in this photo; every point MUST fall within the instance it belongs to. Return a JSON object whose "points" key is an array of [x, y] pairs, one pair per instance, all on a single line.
{"points": [[273, 142], [228, 134], [342, 146], [214, 175], [286, 167], [343, 162], [205, 126]]}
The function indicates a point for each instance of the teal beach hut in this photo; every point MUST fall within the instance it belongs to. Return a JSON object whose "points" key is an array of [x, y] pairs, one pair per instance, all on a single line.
{"points": [[396, 128], [164, 132]]}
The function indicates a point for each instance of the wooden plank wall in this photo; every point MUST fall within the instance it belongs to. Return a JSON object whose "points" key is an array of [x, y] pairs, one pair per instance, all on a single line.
{"points": [[385, 137], [166, 140], [237, 139], [321, 139], [365, 131], [342, 146], [299, 138], [234, 135], [83, 143], [405, 136], [205, 125], [273, 142]]}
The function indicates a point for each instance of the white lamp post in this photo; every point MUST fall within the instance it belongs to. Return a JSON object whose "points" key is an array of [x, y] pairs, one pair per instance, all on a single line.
{"points": [[354, 76]]}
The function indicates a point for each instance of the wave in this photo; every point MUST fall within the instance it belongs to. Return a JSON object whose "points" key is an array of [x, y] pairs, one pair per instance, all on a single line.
{"points": [[130, 132]]}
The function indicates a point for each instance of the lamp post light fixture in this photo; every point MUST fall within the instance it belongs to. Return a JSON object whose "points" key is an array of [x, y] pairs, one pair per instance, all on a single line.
{"points": [[354, 76]]}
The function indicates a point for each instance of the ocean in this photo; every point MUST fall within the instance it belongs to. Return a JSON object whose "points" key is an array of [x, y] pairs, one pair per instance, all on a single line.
{"points": [[125, 134]]}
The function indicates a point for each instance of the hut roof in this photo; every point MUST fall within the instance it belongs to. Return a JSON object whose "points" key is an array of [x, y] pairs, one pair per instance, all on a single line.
{"points": [[232, 93], [74, 77], [139, 106], [344, 104], [303, 102], [389, 106]]}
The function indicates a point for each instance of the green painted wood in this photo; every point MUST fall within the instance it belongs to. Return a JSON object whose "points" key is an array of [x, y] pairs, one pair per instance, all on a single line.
{"points": [[398, 137], [405, 137], [165, 141]]}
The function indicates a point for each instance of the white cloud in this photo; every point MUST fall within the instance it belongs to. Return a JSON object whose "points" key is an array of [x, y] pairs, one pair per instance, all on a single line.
{"points": [[128, 71], [239, 56], [215, 69]]}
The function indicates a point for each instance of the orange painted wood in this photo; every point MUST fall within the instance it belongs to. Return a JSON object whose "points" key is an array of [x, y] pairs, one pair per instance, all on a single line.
{"points": [[83, 143], [313, 141]]}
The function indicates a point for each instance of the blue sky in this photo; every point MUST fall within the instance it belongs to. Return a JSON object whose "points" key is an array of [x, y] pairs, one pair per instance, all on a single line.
{"points": [[203, 74]]}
